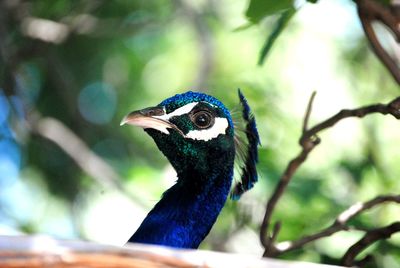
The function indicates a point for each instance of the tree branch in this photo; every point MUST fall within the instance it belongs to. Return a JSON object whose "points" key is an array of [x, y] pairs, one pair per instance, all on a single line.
{"points": [[308, 141], [340, 223], [368, 239], [294, 164], [392, 108], [369, 11]]}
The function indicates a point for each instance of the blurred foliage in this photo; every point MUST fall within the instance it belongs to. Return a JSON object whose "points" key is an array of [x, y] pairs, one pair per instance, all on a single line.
{"points": [[258, 10], [278, 28], [88, 63]]}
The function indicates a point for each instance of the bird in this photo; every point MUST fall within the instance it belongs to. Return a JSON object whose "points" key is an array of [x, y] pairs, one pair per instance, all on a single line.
{"points": [[196, 133]]}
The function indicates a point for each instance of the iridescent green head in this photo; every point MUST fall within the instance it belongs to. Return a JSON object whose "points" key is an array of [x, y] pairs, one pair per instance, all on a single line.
{"points": [[193, 130]]}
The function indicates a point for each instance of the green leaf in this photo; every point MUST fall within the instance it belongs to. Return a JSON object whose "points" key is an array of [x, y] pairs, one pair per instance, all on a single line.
{"points": [[279, 26], [312, 1], [259, 9]]}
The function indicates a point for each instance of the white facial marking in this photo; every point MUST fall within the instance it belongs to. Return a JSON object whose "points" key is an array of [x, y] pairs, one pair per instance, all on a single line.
{"points": [[220, 126], [180, 111]]}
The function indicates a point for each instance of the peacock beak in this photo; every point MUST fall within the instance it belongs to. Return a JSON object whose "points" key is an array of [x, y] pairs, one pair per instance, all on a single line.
{"points": [[148, 118]]}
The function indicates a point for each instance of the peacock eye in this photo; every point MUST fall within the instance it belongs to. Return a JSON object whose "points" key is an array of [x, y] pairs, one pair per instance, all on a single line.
{"points": [[202, 119]]}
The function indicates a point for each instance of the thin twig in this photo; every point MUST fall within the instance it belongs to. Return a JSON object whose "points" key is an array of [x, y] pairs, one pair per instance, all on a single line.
{"points": [[368, 239], [308, 111], [308, 141]]}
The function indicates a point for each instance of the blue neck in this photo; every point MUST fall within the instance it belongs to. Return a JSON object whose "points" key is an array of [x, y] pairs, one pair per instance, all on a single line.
{"points": [[187, 211]]}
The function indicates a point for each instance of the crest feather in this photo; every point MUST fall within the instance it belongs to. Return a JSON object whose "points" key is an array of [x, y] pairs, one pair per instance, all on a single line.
{"points": [[249, 153]]}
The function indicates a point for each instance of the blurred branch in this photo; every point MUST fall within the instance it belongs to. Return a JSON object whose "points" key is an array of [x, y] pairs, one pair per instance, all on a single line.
{"points": [[368, 239], [92, 164], [370, 11], [308, 141], [45, 30], [70, 143], [57, 32]]}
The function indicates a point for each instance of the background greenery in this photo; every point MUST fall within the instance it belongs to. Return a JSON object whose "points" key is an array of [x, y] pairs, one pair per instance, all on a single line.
{"points": [[102, 59]]}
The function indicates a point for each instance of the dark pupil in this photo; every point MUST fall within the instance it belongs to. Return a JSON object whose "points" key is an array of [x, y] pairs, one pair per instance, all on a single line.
{"points": [[202, 120]]}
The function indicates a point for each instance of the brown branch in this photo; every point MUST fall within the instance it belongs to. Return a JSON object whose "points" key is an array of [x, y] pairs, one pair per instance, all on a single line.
{"points": [[369, 11], [392, 108], [340, 223], [308, 141], [279, 190], [368, 239], [266, 239]]}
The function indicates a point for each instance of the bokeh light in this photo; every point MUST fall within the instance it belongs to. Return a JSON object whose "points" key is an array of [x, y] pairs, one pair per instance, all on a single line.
{"points": [[97, 95]]}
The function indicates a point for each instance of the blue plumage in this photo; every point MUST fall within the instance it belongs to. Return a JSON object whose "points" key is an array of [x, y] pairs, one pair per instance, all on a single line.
{"points": [[185, 215], [195, 132], [248, 172]]}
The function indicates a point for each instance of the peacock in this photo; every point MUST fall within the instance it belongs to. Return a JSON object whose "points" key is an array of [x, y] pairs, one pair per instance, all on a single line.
{"points": [[197, 134]]}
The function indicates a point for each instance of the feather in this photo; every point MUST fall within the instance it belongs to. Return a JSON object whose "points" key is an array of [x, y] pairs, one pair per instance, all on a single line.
{"points": [[249, 154]]}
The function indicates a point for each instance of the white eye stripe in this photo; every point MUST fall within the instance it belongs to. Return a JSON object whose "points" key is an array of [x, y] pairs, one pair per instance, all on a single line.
{"points": [[220, 126], [180, 111]]}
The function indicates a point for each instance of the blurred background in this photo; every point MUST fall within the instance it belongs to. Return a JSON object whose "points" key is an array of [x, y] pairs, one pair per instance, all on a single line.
{"points": [[70, 70]]}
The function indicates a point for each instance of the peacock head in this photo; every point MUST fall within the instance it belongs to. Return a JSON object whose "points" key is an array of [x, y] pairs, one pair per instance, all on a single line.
{"points": [[193, 130], [196, 133]]}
